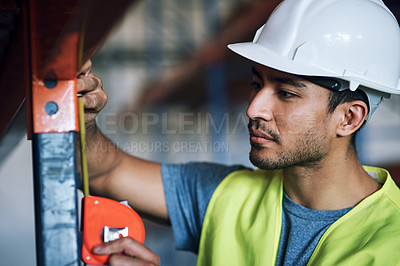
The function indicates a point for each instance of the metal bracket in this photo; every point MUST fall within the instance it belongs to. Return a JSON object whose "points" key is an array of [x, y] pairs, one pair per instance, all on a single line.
{"points": [[55, 106]]}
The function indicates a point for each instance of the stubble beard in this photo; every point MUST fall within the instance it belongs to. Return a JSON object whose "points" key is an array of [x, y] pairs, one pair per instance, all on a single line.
{"points": [[310, 149]]}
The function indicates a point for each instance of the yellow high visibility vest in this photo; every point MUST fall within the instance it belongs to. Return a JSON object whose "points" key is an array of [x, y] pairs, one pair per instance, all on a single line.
{"points": [[242, 224]]}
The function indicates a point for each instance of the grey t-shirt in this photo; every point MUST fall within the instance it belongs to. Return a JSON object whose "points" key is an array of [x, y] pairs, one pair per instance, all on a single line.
{"points": [[188, 190], [301, 230]]}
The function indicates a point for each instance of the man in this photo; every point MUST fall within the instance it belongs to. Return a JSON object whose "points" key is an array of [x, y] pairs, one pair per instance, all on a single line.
{"points": [[321, 69]]}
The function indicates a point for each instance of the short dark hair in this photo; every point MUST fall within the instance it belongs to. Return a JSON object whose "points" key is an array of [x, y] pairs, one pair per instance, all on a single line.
{"points": [[339, 97]]}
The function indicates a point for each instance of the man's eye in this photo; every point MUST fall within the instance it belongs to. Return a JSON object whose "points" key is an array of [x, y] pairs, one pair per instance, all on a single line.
{"points": [[256, 86], [286, 94]]}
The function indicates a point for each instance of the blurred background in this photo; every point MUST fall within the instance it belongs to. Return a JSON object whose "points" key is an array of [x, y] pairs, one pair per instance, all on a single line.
{"points": [[176, 94]]}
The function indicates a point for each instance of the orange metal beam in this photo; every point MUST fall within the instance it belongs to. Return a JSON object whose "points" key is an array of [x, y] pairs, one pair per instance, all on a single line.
{"points": [[64, 34], [57, 23], [54, 42], [57, 33]]}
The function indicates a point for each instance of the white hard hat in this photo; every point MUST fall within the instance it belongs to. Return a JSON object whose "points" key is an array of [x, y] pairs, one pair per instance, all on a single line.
{"points": [[354, 40]]}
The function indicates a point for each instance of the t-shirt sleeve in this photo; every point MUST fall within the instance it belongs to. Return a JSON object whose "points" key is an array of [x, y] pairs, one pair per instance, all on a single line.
{"points": [[188, 190]]}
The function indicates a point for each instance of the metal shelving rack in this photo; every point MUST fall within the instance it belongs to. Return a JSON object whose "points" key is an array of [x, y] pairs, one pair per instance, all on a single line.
{"points": [[59, 37]]}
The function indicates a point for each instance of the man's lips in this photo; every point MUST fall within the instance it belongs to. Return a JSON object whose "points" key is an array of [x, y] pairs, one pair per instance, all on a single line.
{"points": [[260, 137]]}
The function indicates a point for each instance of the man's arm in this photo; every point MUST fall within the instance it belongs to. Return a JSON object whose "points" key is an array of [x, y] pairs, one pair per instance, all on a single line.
{"points": [[114, 173]]}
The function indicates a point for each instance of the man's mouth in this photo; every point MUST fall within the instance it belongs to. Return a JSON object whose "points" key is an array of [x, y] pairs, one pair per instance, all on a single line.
{"points": [[260, 134], [257, 133], [260, 137]]}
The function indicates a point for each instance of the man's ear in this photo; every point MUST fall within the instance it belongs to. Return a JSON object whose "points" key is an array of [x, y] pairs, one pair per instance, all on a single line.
{"points": [[352, 116]]}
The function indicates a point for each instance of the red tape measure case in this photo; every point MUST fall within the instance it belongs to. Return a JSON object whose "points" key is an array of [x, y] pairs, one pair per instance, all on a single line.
{"points": [[106, 220]]}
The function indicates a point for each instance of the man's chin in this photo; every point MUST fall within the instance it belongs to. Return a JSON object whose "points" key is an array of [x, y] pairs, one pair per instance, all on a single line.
{"points": [[260, 159], [261, 162]]}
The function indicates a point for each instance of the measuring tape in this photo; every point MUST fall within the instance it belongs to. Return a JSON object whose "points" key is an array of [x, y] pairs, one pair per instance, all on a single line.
{"points": [[103, 219]]}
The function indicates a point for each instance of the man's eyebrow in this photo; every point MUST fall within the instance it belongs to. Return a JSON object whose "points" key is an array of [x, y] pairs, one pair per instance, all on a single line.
{"points": [[289, 81], [285, 80]]}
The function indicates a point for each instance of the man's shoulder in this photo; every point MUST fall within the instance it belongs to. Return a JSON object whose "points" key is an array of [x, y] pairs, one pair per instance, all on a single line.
{"points": [[389, 191]]}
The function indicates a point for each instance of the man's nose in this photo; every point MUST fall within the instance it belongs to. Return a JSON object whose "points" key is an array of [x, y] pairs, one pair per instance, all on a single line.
{"points": [[260, 106]]}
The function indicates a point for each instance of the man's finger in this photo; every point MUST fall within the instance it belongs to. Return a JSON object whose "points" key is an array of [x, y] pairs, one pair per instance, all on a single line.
{"points": [[95, 101], [87, 83], [85, 69], [127, 246]]}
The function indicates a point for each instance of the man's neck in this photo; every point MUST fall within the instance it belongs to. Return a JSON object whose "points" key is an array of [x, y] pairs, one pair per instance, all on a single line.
{"points": [[332, 184]]}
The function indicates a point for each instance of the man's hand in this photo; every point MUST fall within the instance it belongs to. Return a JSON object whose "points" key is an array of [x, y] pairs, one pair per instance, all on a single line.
{"points": [[94, 97], [127, 252]]}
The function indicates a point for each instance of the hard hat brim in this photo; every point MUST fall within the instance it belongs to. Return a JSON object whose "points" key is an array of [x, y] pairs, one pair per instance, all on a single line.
{"points": [[262, 55]]}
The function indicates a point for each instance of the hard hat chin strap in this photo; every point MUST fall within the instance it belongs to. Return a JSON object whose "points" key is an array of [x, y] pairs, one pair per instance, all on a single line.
{"points": [[374, 99]]}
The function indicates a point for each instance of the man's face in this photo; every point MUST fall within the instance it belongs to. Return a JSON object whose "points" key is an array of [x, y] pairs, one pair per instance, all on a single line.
{"points": [[289, 120]]}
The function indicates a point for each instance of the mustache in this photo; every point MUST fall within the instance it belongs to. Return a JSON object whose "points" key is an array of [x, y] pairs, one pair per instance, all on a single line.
{"points": [[256, 124]]}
